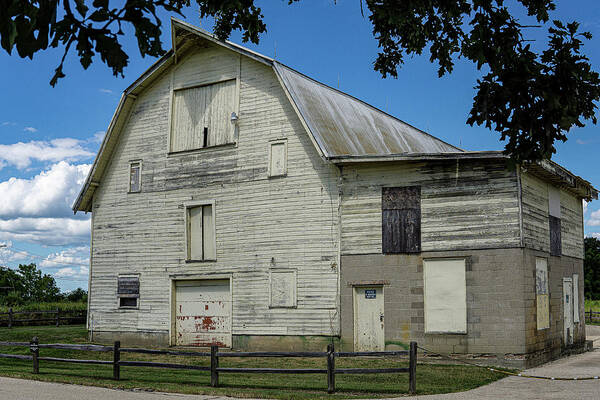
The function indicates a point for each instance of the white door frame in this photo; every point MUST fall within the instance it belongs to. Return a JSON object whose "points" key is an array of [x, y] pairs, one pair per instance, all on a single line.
{"points": [[355, 310], [567, 300]]}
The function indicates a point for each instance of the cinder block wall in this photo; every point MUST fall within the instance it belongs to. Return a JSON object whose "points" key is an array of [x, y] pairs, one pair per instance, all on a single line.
{"points": [[497, 309], [548, 344]]}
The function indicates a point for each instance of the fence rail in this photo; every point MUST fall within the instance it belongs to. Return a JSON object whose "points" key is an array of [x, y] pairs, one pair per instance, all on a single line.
{"points": [[214, 368], [592, 316], [64, 317]]}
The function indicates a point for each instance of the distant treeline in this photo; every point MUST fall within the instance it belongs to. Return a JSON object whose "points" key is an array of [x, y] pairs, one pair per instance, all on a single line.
{"points": [[27, 285], [591, 265]]}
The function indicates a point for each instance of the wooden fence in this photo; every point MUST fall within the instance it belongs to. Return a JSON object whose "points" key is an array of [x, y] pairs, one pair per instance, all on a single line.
{"points": [[592, 316], [47, 317], [215, 355]]}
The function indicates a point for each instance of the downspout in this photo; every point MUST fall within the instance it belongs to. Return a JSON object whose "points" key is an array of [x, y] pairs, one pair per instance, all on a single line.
{"points": [[520, 199]]}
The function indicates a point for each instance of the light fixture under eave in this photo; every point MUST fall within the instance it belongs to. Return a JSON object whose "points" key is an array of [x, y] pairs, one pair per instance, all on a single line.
{"points": [[234, 118]]}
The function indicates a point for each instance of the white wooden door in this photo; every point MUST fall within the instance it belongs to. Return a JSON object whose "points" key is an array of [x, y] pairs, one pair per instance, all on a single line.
{"points": [[369, 332], [203, 313], [568, 310]]}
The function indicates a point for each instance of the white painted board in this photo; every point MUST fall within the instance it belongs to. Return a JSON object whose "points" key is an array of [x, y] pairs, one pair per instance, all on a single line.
{"points": [[445, 291]]}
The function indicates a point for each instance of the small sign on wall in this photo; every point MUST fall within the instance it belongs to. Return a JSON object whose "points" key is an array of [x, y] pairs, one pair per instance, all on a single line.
{"points": [[370, 293]]}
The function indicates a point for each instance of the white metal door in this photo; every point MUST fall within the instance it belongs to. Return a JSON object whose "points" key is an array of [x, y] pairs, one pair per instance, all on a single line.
{"points": [[369, 332], [203, 313], [568, 310]]}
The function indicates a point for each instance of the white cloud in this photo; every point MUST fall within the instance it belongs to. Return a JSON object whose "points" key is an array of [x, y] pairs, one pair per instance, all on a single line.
{"points": [[72, 256], [22, 154], [594, 219], [48, 194], [8, 254], [9, 123], [47, 231], [108, 91], [72, 273], [98, 137], [594, 235], [30, 129]]}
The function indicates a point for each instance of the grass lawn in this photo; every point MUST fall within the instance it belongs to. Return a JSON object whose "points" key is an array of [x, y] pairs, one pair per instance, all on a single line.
{"points": [[431, 378], [593, 305]]}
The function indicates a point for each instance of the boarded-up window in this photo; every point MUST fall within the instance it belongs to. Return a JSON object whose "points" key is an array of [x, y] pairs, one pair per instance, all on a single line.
{"points": [[445, 291], [554, 213], [278, 158], [575, 297], [201, 116], [541, 292], [283, 288], [128, 291], [201, 233], [555, 237], [401, 219], [135, 171]]}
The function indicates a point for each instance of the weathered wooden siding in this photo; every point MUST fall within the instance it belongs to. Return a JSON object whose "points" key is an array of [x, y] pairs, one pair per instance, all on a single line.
{"points": [[262, 223], [464, 205], [536, 225]]}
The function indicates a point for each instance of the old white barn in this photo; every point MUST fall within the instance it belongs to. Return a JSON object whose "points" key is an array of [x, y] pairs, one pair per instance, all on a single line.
{"points": [[236, 201]]}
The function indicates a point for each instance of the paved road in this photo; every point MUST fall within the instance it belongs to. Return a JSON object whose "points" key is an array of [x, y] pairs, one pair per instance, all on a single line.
{"points": [[587, 364]]}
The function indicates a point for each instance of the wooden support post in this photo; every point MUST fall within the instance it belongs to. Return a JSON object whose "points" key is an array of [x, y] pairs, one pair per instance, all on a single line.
{"points": [[35, 353], [117, 360], [57, 317], [330, 368], [412, 369], [10, 317], [214, 364]]}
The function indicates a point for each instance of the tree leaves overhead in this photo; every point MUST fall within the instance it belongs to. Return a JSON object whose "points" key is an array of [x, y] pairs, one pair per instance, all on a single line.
{"points": [[532, 99], [532, 93]]}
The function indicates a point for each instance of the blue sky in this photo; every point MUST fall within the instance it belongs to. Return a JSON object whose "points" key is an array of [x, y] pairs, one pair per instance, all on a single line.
{"points": [[49, 136]]}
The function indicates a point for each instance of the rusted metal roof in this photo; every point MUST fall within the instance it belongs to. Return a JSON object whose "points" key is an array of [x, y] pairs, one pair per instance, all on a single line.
{"points": [[345, 126]]}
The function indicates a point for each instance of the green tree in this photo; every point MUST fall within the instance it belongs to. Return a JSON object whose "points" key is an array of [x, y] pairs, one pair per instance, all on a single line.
{"points": [[532, 96], [11, 286], [77, 295], [591, 266], [37, 287]]}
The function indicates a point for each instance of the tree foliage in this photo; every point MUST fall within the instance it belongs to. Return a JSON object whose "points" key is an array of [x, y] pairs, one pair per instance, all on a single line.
{"points": [[531, 95], [591, 267], [27, 284]]}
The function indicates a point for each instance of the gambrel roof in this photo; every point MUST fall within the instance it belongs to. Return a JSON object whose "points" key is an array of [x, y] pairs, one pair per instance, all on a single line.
{"points": [[342, 127]]}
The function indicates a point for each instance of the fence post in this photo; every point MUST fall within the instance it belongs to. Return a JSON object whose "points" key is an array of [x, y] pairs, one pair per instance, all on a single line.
{"points": [[412, 369], [57, 316], [35, 352], [330, 368], [116, 360], [214, 364], [10, 317]]}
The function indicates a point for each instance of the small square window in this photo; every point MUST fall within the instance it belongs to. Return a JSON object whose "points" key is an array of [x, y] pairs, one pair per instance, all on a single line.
{"points": [[128, 291], [127, 302], [135, 172]]}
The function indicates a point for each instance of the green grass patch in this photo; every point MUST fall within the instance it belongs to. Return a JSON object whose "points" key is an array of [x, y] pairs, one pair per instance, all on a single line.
{"points": [[431, 378], [593, 305]]}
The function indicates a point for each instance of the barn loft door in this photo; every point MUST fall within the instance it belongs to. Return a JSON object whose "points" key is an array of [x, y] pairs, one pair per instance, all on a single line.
{"points": [[401, 219], [203, 313]]}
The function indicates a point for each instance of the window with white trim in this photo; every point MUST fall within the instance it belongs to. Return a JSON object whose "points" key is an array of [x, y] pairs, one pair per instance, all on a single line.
{"points": [[135, 175], [128, 291], [200, 232], [278, 158], [283, 288]]}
